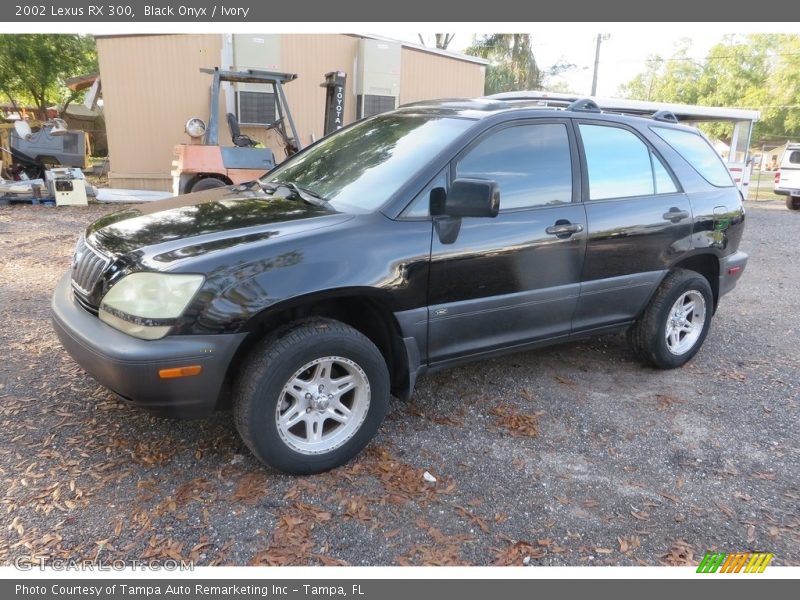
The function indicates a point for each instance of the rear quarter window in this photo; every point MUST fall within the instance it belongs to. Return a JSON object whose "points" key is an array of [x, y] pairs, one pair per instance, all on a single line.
{"points": [[794, 157], [698, 153]]}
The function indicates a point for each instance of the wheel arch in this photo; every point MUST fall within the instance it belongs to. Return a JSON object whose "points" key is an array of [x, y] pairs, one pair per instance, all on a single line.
{"points": [[364, 309], [707, 265]]}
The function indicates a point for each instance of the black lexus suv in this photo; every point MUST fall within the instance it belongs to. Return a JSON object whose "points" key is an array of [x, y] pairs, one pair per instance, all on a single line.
{"points": [[436, 234]]}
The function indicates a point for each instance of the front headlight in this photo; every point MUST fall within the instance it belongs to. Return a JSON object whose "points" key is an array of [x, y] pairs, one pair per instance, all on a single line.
{"points": [[195, 127], [145, 305]]}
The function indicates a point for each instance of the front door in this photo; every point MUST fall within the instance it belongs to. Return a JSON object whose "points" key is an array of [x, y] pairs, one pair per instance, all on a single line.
{"points": [[513, 279]]}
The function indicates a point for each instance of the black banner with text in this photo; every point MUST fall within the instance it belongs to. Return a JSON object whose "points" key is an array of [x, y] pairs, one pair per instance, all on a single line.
{"points": [[363, 11]]}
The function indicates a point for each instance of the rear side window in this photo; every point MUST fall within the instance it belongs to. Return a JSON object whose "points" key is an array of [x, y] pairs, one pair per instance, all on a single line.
{"points": [[620, 165], [698, 153], [794, 157], [530, 163]]}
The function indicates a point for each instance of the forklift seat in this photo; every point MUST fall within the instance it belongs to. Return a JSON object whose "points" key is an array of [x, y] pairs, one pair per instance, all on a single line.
{"points": [[240, 140]]}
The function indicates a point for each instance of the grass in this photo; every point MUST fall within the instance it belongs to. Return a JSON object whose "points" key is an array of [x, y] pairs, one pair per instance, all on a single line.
{"points": [[761, 186]]}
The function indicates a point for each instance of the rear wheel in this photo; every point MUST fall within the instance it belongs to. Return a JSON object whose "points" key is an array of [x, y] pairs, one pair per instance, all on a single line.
{"points": [[793, 202], [675, 323], [311, 397]]}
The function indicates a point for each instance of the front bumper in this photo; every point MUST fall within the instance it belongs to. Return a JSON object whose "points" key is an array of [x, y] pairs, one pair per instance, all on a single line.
{"points": [[129, 366], [730, 270]]}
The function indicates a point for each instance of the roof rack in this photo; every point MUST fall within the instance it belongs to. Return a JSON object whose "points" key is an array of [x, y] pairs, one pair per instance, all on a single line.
{"points": [[584, 105], [639, 108], [664, 115]]}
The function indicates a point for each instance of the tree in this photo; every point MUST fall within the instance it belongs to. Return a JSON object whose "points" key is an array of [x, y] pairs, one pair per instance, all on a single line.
{"points": [[757, 71], [34, 67], [512, 66], [784, 87], [671, 80], [441, 40]]}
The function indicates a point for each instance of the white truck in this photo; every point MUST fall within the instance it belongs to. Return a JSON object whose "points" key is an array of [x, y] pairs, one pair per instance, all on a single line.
{"points": [[787, 177]]}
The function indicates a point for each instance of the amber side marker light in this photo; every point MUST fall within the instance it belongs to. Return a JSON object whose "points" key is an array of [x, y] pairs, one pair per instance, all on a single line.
{"points": [[180, 372]]}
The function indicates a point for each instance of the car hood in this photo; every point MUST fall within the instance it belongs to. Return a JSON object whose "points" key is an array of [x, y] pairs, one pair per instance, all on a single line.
{"points": [[195, 224]]}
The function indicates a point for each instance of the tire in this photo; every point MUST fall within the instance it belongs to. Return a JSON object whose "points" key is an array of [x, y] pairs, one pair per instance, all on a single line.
{"points": [[665, 337], [793, 202], [278, 398], [207, 183]]}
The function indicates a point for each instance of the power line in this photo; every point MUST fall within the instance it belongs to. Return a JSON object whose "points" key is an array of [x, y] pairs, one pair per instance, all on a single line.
{"points": [[708, 58]]}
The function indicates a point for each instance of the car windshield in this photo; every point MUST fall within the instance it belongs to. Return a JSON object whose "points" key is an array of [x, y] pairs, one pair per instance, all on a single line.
{"points": [[358, 169]]}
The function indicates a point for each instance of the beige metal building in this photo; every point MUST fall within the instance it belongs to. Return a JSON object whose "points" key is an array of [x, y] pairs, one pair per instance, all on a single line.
{"points": [[152, 84]]}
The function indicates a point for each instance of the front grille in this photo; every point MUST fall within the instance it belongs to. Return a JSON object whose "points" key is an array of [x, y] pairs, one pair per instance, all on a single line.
{"points": [[87, 268], [84, 303]]}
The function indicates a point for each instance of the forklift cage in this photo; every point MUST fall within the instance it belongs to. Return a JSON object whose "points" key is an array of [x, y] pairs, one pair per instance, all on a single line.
{"points": [[274, 78]]}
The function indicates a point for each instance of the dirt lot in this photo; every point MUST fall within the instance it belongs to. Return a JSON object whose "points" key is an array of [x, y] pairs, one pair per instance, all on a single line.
{"points": [[571, 455]]}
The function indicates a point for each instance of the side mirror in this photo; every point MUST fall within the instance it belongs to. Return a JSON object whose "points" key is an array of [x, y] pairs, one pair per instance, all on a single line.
{"points": [[467, 198]]}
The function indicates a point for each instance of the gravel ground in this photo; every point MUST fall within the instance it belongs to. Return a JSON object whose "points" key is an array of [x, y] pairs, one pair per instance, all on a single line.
{"points": [[573, 455]]}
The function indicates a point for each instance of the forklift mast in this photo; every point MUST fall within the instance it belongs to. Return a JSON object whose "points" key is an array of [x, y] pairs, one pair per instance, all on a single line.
{"points": [[334, 100]]}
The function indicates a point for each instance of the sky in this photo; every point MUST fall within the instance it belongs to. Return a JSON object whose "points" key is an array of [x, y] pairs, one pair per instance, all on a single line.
{"points": [[622, 56]]}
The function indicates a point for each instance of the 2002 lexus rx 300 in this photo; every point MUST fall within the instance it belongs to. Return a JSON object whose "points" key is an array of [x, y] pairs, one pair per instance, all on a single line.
{"points": [[436, 234]]}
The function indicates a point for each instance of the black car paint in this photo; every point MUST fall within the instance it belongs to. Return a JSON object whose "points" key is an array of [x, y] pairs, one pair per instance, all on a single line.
{"points": [[499, 285]]}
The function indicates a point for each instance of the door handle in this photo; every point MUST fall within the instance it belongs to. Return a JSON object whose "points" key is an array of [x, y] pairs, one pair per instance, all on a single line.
{"points": [[675, 215], [564, 229]]}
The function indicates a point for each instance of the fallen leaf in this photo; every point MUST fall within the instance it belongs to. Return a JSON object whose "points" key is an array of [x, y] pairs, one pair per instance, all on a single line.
{"points": [[725, 509], [515, 554], [669, 497], [518, 424], [680, 554], [390, 534], [751, 534]]}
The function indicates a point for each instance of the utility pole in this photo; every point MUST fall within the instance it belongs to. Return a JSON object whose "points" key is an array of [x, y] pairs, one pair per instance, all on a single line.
{"points": [[601, 37]]}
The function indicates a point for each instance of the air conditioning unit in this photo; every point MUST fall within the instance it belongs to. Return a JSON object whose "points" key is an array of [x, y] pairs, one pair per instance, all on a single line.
{"points": [[378, 77], [255, 104]]}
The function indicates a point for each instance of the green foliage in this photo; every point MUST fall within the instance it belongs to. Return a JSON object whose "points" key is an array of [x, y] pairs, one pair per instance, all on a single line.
{"points": [[757, 71], [33, 67], [512, 66]]}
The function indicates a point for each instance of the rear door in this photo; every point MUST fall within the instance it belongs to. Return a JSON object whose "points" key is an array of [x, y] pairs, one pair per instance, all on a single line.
{"points": [[639, 223], [513, 279]]}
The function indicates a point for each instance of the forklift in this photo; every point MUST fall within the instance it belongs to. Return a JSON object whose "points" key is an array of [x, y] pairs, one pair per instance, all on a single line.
{"points": [[203, 163]]}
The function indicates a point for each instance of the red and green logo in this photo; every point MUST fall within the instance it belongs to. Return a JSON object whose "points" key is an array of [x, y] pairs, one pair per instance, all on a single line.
{"points": [[738, 562]]}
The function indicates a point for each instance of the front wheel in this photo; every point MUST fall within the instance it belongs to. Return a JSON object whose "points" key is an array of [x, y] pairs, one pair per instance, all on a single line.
{"points": [[675, 323], [207, 183], [311, 397]]}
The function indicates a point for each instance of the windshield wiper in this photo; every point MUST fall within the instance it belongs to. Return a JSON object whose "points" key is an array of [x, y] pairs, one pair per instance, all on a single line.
{"points": [[304, 194]]}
